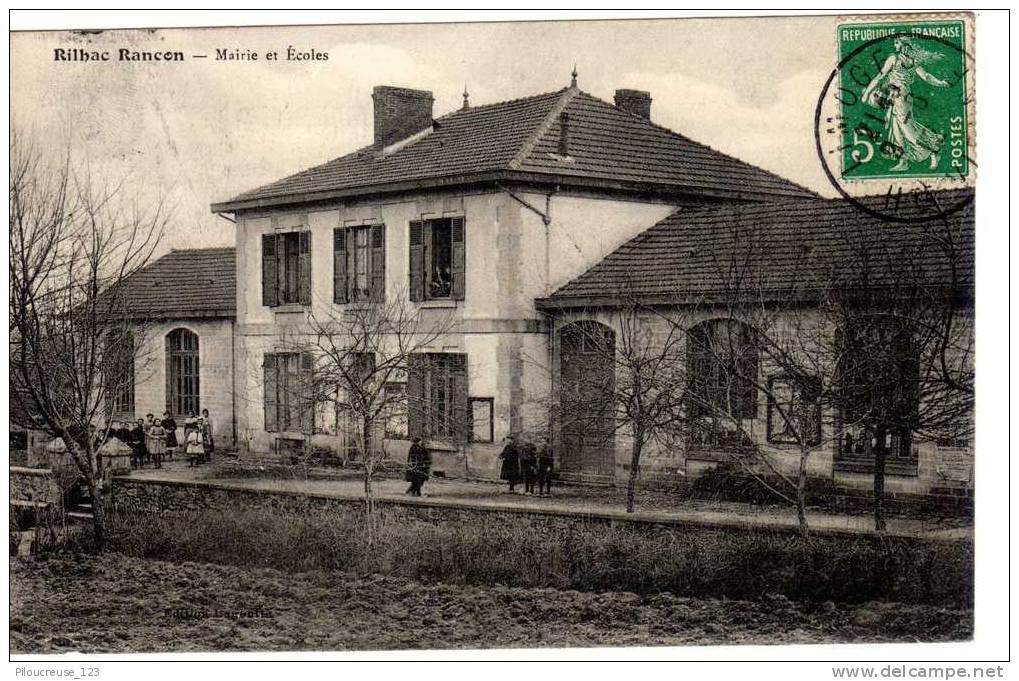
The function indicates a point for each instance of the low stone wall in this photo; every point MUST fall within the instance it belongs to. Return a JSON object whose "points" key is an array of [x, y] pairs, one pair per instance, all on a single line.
{"points": [[36, 485], [163, 497], [136, 496], [33, 484], [132, 495]]}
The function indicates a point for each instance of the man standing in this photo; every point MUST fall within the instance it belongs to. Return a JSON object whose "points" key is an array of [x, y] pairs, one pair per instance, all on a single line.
{"points": [[529, 465], [545, 466], [419, 466], [510, 455]]}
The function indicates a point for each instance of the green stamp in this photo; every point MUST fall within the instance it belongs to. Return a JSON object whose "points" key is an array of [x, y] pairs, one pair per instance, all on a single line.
{"points": [[902, 97]]}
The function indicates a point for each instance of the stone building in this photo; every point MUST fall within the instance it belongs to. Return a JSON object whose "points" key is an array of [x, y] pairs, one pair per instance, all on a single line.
{"points": [[473, 214], [776, 269], [182, 309]]}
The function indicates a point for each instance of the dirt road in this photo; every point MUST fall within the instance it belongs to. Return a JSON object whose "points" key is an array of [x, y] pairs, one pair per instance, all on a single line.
{"points": [[117, 604]]}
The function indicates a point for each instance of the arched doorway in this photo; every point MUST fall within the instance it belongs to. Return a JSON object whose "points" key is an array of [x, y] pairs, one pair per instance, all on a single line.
{"points": [[182, 373], [587, 381]]}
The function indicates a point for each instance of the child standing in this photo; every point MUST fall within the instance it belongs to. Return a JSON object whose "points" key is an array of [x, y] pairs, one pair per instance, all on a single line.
{"points": [[195, 450], [157, 443]]}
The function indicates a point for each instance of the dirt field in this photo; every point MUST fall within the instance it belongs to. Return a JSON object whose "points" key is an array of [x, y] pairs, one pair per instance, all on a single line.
{"points": [[113, 603]]}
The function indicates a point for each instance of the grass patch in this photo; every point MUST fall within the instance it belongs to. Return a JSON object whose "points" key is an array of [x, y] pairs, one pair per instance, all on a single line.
{"points": [[528, 551]]}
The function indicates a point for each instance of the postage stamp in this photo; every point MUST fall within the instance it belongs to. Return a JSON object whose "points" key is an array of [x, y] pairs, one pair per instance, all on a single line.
{"points": [[896, 115], [903, 102]]}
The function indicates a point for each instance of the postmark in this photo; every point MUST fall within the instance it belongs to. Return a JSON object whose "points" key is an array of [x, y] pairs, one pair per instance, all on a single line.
{"points": [[894, 120]]}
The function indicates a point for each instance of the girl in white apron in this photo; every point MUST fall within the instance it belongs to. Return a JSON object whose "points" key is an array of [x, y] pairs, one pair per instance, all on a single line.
{"points": [[195, 450]]}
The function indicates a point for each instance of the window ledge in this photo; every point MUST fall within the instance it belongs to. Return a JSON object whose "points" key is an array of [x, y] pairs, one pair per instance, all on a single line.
{"points": [[289, 308], [439, 303], [711, 454], [906, 469], [358, 307], [439, 446]]}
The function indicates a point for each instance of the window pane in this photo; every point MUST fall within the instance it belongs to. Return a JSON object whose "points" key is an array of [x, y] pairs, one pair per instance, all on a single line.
{"points": [[442, 259], [361, 277], [182, 373], [396, 411]]}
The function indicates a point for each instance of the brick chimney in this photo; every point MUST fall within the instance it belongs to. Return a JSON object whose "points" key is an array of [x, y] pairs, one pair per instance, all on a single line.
{"points": [[634, 101], [399, 113]]}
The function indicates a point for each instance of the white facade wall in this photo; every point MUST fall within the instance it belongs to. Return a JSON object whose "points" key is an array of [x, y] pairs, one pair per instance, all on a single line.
{"points": [[496, 325], [215, 365]]}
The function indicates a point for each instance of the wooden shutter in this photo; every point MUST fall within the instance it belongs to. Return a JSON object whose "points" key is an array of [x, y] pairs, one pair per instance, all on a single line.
{"points": [[417, 261], [304, 269], [270, 398], [306, 399], [458, 271], [269, 271], [457, 366], [416, 396], [339, 265], [378, 263], [427, 256]]}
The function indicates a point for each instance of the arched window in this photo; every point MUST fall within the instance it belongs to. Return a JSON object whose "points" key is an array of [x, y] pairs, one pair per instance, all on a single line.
{"points": [[877, 386], [119, 374], [587, 384], [182, 389], [724, 363]]}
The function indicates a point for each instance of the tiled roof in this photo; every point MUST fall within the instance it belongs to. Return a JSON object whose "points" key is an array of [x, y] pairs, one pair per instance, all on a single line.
{"points": [[606, 143], [778, 250], [184, 284]]}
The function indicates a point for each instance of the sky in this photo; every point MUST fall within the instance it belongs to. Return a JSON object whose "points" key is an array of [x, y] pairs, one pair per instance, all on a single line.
{"points": [[204, 130]]}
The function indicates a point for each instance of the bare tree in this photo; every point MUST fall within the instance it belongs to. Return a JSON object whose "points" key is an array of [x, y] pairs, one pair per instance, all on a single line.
{"points": [[878, 341], [361, 353], [867, 348], [73, 245], [905, 346]]}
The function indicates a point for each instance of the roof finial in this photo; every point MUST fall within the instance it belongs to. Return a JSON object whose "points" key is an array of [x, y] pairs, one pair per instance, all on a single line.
{"points": [[573, 80], [467, 101]]}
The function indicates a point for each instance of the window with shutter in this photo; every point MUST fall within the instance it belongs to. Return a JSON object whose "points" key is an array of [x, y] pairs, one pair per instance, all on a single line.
{"points": [[437, 259], [359, 264], [286, 268], [437, 405], [289, 397]]}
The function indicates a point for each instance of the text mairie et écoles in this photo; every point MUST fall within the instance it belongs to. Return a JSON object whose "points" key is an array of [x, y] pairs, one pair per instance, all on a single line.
{"points": [[78, 54]]}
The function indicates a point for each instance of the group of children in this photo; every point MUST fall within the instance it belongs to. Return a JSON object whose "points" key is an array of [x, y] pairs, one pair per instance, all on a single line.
{"points": [[524, 461], [150, 439]]}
